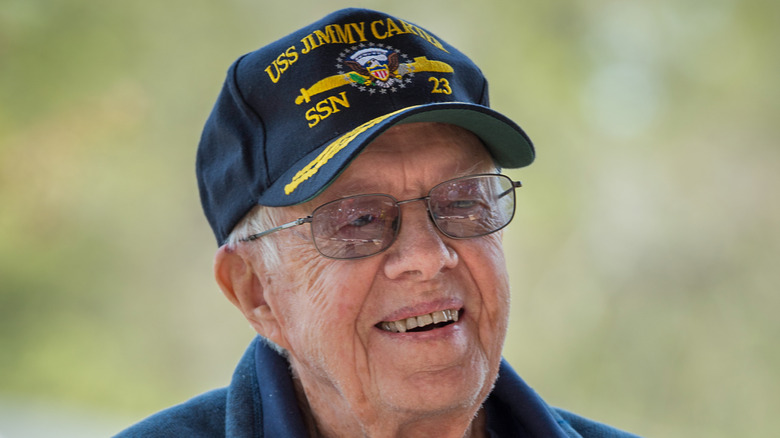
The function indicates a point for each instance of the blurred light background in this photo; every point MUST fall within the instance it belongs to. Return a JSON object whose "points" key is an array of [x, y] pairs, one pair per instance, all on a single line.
{"points": [[644, 256]]}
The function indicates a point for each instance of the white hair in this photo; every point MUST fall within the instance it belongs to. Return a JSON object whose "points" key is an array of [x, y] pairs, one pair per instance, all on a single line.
{"points": [[260, 218]]}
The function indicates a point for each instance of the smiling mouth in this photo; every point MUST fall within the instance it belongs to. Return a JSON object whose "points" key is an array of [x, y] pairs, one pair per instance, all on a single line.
{"points": [[421, 323]]}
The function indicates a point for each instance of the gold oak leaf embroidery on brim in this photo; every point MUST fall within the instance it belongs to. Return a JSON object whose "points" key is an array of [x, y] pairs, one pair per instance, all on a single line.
{"points": [[333, 149]]}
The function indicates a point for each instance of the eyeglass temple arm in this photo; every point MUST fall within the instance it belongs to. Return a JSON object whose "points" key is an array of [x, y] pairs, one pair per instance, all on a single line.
{"points": [[515, 184], [296, 222]]}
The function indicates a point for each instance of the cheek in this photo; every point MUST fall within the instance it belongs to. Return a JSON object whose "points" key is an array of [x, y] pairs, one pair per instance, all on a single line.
{"points": [[323, 323], [497, 273], [293, 297], [323, 298], [485, 261]]}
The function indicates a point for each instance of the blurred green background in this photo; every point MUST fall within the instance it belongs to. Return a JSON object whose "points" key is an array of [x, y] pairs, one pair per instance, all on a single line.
{"points": [[644, 256]]}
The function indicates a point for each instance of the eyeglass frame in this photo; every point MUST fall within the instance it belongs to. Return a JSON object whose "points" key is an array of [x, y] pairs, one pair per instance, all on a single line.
{"points": [[308, 219]]}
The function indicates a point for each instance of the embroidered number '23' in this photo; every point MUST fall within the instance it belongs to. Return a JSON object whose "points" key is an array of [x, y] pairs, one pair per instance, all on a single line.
{"points": [[440, 85]]}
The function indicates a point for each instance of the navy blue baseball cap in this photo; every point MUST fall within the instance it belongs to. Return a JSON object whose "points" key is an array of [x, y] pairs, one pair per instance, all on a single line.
{"points": [[292, 115]]}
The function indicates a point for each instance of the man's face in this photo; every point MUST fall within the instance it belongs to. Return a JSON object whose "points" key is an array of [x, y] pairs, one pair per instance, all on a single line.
{"points": [[330, 313]]}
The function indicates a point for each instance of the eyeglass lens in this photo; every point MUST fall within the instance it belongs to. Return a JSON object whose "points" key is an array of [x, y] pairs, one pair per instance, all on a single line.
{"points": [[364, 225]]}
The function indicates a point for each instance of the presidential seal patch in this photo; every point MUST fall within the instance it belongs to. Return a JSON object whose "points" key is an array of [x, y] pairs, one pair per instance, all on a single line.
{"points": [[376, 66], [373, 68]]}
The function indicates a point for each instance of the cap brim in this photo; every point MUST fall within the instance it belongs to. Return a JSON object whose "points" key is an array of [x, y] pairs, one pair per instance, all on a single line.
{"points": [[504, 139]]}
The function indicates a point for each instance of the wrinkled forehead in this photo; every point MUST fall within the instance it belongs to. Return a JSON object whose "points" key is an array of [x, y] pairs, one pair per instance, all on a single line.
{"points": [[414, 157]]}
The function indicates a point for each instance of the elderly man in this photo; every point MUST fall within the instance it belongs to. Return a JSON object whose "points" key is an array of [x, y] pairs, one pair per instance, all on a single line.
{"points": [[350, 172]]}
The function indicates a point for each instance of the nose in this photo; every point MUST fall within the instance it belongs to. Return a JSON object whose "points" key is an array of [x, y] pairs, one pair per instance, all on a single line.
{"points": [[420, 250]]}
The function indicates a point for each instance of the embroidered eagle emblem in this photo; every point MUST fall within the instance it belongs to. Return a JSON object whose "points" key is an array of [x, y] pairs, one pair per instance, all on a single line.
{"points": [[374, 64]]}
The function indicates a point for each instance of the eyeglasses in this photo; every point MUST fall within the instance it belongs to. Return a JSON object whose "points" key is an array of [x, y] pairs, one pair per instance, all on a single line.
{"points": [[364, 225]]}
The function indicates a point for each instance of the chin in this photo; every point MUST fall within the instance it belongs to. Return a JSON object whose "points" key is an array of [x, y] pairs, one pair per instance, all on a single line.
{"points": [[440, 393]]}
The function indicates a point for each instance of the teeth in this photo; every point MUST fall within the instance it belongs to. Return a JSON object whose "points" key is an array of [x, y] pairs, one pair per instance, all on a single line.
{"points": [[402, 325]]}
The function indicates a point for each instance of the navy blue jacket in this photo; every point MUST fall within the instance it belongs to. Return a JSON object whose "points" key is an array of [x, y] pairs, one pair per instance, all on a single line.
{"points": [[260, 403]]}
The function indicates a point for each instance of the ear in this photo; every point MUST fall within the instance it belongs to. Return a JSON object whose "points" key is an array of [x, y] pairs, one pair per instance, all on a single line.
{"points": [[243, 281]]}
